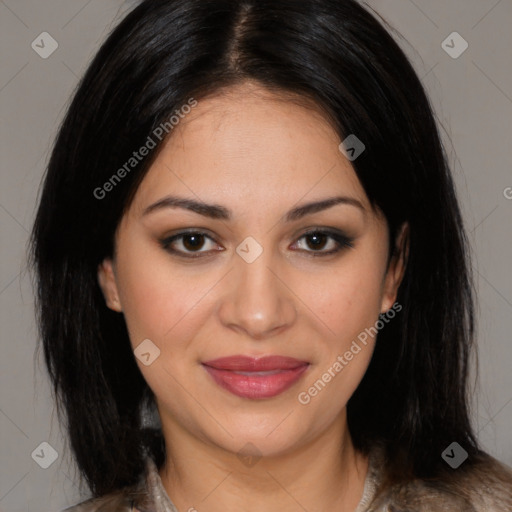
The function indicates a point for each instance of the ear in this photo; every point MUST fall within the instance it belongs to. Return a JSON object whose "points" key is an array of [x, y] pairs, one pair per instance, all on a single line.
{"points": [[396, 268], [108, 285]]}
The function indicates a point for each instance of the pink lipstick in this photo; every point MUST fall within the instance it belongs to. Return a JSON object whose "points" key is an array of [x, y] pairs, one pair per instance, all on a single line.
{"points": [[255, 378]]}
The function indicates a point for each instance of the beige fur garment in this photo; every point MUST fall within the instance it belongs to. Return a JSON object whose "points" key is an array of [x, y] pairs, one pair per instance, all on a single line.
{"points": [[485, 489]]}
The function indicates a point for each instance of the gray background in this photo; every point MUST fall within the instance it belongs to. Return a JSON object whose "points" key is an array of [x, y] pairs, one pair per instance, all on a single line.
{"points": [[472, 96]]}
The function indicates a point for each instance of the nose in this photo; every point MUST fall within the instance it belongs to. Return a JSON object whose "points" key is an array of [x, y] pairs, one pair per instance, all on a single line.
{"points": [[257, 302]]}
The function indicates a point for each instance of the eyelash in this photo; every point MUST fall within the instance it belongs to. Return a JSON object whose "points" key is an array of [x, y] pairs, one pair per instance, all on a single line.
{"points": [[343, 241]]}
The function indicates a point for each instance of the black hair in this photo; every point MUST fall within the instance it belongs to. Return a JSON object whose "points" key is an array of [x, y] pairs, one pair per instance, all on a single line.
{"points": [[335, 53]]}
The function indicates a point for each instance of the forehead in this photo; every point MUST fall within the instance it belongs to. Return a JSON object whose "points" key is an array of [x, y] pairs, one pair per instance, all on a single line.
{"points": [[249, 144]]}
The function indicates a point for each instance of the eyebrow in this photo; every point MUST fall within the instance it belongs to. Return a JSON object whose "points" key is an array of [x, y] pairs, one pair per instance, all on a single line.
{"points": [[215, 211]]}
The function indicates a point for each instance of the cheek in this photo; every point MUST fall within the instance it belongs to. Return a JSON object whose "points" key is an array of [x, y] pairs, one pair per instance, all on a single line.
{"points": [[158, 303], [167, 308], [346, 299], [346, 305]]}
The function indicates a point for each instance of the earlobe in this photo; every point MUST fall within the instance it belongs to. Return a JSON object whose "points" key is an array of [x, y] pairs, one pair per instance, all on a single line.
{"points": [[396, 270], [108, 285]]}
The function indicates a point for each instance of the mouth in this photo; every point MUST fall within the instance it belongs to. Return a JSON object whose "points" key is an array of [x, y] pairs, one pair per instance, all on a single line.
{"points": [[252, 378]]}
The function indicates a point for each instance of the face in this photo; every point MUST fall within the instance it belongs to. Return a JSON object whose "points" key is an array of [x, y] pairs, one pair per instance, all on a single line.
{"points": [[251, 271]]}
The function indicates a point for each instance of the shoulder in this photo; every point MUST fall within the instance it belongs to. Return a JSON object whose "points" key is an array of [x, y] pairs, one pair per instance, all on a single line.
{"points": [[130, 499], [135, 498], [114, 502], [485, 486]]}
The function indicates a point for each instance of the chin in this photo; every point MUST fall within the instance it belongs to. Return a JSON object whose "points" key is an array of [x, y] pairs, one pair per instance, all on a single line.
{"points": [[271, 437]]}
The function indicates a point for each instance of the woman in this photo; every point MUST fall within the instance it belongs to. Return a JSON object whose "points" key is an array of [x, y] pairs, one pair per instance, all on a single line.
{"points": [[254, 286]]}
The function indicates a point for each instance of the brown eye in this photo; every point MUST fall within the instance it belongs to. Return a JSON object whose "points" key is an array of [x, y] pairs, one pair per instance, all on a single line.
{"points": [[193, 241], [187, 243], [321, 242], [316, 240]]}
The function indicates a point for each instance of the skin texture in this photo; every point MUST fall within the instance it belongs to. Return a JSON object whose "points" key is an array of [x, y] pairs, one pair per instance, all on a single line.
{"points": [[258, 155]]}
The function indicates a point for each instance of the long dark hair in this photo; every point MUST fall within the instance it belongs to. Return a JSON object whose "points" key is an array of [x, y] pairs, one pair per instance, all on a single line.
{"points": [[413, 397]]}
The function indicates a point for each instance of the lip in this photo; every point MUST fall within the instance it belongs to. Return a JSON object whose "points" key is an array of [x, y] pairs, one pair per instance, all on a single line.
{"points": [[256, 378]]}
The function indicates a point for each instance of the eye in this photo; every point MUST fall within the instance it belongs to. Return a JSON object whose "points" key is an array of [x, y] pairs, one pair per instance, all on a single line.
{"points": [[194, 244], [325, 242], [187, 243]]}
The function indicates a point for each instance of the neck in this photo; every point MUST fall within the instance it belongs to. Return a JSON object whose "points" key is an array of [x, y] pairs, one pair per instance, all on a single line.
{"points": [[324, 474]]}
